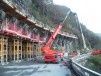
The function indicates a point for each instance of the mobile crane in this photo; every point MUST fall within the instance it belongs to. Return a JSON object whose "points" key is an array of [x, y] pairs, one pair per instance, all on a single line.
{"points": [[50, 55]]}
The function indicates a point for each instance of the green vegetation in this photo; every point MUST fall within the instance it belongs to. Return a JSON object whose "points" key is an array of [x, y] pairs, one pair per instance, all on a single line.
{"points": [[94, 63]]}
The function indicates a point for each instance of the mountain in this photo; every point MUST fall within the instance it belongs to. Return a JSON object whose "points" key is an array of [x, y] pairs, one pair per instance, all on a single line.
{"points": [[51, 14], [99, 34]]}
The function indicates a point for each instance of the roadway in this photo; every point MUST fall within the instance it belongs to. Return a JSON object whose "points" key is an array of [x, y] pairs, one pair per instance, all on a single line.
{"points": [[34, 69]]}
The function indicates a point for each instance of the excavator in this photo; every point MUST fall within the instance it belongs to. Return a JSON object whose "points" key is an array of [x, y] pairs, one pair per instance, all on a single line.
{"points": [[50, 55]]}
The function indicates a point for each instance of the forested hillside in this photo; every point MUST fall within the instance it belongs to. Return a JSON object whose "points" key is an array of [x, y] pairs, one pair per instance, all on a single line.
{"points": [[51, 14]]}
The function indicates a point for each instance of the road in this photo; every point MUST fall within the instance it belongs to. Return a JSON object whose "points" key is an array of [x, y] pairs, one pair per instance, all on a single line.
{"points": [[30, 69]]}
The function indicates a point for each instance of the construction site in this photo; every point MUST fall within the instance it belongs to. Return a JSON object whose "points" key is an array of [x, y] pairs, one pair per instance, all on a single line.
{"points": [[29, 47], [20, 37]]}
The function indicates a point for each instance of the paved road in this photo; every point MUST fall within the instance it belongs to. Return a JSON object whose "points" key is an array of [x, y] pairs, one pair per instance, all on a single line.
{"points": [[30, 69]]}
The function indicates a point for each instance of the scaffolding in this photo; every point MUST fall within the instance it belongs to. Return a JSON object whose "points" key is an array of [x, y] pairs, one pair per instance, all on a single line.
{"points": [[15, 49], [3, 49], [37, 50]]}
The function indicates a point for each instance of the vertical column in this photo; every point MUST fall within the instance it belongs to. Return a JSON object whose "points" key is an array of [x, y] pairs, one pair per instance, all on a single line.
{"points": [[17, 49], [20, 49], [29, 50], [1, 49], [10, 49], [5, 48], [34, 49], [39, 49], [14, 49], [40, 52], [24, 50]]}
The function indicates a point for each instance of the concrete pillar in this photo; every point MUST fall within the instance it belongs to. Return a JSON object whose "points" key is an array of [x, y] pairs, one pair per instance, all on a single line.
{"points": [[17, 49]]}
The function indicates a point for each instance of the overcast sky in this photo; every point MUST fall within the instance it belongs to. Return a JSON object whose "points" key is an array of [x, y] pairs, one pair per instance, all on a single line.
{"points": [[88, 11]]}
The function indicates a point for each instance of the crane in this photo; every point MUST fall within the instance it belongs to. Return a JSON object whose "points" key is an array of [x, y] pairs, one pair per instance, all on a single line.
{"points": [[49, 54]]}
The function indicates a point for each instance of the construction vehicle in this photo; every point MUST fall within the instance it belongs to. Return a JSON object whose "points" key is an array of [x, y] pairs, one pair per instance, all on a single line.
{"points": [[50, 55], [96, 52]]}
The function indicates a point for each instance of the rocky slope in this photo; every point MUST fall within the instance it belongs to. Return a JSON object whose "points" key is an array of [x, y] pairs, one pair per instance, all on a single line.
{"points": [[51, 14]]}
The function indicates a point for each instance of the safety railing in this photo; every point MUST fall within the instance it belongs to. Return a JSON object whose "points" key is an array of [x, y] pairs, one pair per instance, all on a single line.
{"points": [[80, 70]]}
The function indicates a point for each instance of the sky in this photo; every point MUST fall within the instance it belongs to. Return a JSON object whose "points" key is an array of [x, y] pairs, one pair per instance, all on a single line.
{"points": [[88, 11]]}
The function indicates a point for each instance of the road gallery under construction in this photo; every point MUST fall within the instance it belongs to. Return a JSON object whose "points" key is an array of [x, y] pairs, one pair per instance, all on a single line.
{"points": [[22, 36], [39, 38]]}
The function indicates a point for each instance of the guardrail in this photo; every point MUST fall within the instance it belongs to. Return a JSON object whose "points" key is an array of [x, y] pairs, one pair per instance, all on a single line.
{"points": [[81, 57], [80, 70]]}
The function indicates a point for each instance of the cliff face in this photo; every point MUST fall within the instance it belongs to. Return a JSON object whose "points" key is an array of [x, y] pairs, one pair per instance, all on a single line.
{"points": [[54, 14], [48, 13]]}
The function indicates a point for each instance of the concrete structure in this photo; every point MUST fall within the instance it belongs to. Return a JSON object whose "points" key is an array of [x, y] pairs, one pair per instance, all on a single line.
{"points": [[20, 36]]}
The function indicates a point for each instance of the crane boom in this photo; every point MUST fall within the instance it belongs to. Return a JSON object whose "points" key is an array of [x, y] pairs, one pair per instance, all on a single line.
{"points": [[53, 36]]}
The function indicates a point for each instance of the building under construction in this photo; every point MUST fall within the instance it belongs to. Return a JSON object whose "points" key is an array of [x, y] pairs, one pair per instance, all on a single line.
{"points": [[21, 35]]}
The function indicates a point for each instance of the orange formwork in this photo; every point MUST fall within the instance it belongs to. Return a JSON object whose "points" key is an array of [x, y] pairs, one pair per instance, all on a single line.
{"points": [[15, 49], [27, 50], [3, 48]]}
